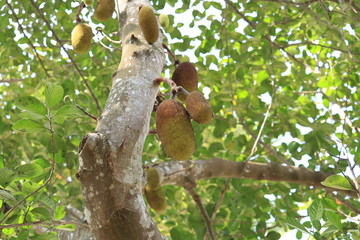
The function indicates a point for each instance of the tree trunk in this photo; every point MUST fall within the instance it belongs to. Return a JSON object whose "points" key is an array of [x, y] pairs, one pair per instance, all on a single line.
{"points": [[111, 159]]}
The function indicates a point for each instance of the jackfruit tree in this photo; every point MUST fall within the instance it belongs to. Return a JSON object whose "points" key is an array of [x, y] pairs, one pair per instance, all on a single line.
{"points": [[218, 120]]}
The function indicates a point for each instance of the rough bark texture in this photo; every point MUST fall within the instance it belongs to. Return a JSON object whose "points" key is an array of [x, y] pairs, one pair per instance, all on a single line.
{"points": [[110, 159], [188, 172]]}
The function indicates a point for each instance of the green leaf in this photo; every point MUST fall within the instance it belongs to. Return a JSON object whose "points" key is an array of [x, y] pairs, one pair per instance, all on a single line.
{"points": [[6, 176], [6, 195], [178, 233], [334, 219], [338, 182], [28, 171], [296, 224], [59, 212], [316, 210], [42, 213], [68, 111], [32, 105], [26, 125], [53, 94]]}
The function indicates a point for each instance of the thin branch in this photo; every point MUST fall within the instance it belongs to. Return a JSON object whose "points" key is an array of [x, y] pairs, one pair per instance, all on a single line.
{"points": [[107, 37], [203, 211], [67, 53], [28, 39], [77, 17], [176, 60], [355, 219], [289, 2], [253, 25], [174, 88], [273, 152], [52, 170], [345, 203], [80, 108], [260, 131], [218, 204]]}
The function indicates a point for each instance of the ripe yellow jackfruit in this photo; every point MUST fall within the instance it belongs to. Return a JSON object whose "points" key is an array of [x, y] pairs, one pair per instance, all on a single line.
{"points": [[81, 38], [156, 199], [104, 10], [148, 24], [198, 108], [153, 180], [174, 129], [185, 75], [164, 20]]}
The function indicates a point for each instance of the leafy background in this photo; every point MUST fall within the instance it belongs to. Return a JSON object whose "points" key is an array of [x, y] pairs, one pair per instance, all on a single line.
{"points": [[302, 58]]}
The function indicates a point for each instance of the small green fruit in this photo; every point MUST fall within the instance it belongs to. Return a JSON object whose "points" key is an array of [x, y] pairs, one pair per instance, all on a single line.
{"points": [[148, 24], [104, 10], [81, 38], [164, 20], [185, 75], [153, 180], [198, 108], [88, 2], [156, 199]]}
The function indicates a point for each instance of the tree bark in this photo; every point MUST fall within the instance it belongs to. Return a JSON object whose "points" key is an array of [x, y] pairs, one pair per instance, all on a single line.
{"points": [[110, 159]]}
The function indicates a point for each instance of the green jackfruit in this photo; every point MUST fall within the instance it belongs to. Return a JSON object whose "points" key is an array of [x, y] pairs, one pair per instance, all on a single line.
{"points": [[185, 75], [153, 180], [174, 129], [104, 10], [164, 20], [148, 24], [81, 38], [88, 2], [198, 107], [156, 199]]}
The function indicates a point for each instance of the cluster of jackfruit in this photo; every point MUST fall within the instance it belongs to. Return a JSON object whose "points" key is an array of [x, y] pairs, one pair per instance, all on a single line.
{"points": [[153, 193], [173, 119], [81, 35]]}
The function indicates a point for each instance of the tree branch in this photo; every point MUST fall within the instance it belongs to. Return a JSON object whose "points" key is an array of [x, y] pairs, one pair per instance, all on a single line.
{"points": [[45, 223], [67, 53], [216, 167], [203, 211]]}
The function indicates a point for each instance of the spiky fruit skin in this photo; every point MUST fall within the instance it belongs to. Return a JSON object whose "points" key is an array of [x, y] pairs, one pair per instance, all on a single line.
{"points": [[198, 107], [156, 199], [148, 24], [153, 180], [104, 10], [174, 129], [88, 2], [164, 20], [81, 38], [185, 75]]}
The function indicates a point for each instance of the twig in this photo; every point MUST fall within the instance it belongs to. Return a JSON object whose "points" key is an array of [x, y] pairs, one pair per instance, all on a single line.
{"points": [[11, 80], [218, 204], [203, 211], [107, 37], [52, 169], [174, 88], [274, 153], [345, 203], [355, 219], [176, 60], [67, 53], [316, 44], [80, 108], [28, 39], [152, 132], [259, 134], [82, 225], [77, 17]]}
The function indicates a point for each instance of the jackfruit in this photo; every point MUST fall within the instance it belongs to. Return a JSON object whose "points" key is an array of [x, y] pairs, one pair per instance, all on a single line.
{"points": [[153, 180], [174, 129], [88, 2], [81, 38], [164, 20], [185, 75], [198, 108], [148, 24], [156, 199], [104, 10]]}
